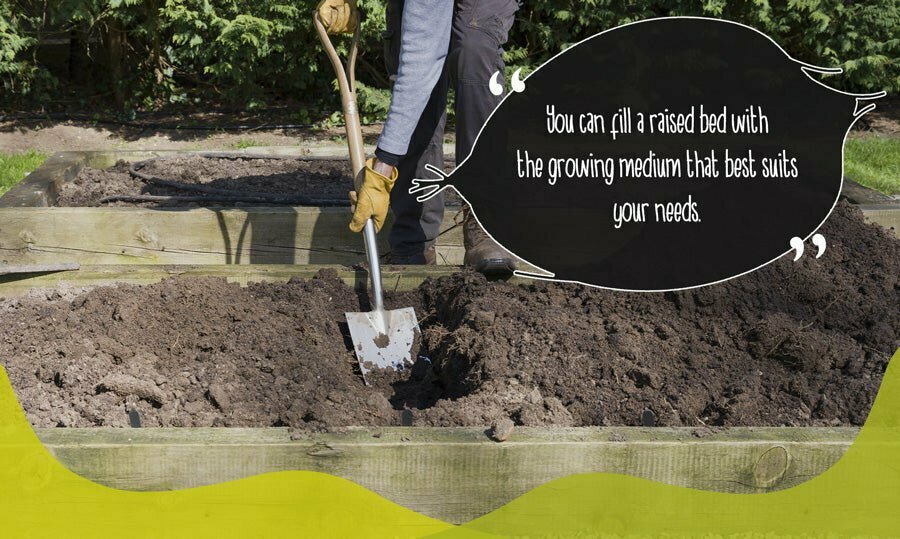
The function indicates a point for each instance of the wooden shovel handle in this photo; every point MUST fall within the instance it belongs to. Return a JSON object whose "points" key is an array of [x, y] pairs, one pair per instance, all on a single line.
{"points": [[346, 76]]}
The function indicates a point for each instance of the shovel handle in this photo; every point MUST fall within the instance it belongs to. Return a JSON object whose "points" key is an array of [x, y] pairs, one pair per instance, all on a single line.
{"points": [[346, 76]]}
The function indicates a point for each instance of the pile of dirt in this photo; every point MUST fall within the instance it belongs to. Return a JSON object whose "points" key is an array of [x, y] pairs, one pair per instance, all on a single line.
{"points": [[795, 343], [324, 178]]}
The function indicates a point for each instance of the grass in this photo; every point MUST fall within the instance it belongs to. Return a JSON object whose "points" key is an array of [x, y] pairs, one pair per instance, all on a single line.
{"points": [[15, 166], [874, 162], [244, 143]]}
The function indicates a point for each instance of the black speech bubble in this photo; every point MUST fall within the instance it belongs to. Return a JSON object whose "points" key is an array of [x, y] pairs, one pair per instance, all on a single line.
{"points": [[567, 229]]}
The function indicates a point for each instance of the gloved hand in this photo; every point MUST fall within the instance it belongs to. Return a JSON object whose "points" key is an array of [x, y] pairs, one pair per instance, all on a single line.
{"points": [[338, 16], [373, 198]]}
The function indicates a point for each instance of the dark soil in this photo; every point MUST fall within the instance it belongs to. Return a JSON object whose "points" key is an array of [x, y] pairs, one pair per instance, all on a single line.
{"points": [[318, 178], [795, 343]]}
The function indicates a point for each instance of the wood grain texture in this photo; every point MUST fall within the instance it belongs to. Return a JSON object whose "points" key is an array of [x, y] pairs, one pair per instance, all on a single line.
{"points": [[886, 215], [394, 278], [454, 474], [299, 235], [33, 233]]}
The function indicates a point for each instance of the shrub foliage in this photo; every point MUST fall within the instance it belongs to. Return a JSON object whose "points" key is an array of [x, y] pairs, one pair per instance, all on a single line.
{"points": [[146, 54]]}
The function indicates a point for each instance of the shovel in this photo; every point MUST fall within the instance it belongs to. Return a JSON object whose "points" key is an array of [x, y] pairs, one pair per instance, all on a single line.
{"points": [[381, 339]]}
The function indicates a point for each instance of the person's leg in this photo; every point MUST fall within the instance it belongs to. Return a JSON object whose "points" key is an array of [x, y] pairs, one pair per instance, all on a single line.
{"points": [[416, 225], [480, 28]]}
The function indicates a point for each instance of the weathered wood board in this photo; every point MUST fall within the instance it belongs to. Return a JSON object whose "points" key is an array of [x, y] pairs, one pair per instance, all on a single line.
{"points": [[394, 278], [857, 193], [91, 236], [886, 215], [454, 474], [31, 233], [300, 235]]}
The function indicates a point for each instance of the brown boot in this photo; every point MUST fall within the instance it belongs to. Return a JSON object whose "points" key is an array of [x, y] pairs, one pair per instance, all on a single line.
{"points": [[483, 253], [426, 257]]}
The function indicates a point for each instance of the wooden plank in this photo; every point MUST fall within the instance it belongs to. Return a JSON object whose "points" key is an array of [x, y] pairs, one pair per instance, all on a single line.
{"points": [[39, 188], [454, 474], [395, 278], [860, 194], [300, 235], [886, 215], [32, 233], [38, 268], [118, 236]]}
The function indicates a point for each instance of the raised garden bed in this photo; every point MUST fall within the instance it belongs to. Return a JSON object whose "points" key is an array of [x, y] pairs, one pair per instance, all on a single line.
{"points": [[794, 344], [34, 229], [755, 384], [450, 473]]}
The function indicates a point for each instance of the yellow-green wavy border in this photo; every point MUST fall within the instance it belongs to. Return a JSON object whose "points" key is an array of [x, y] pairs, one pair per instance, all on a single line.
{"points": [[859, 496]]}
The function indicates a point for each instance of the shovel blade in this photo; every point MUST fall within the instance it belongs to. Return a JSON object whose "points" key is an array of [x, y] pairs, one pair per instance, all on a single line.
{"points": [[383, 339]]}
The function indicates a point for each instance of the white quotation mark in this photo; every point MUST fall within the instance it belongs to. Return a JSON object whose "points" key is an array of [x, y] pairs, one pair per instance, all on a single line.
{"points": [[818, 240], [517, 83], [797, 245], [496, 88]]}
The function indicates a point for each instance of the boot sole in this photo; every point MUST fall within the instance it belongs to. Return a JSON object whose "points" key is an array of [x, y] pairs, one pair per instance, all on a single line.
{"points": [[496, 267]]}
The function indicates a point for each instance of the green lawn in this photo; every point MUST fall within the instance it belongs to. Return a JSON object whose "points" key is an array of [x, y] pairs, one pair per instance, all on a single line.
{"points": [[14, 167], [874, 162]]}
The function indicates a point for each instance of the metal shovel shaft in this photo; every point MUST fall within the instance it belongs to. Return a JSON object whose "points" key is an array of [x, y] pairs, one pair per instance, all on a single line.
{"points": [[381, 339], [347, 84], [374, 266]]}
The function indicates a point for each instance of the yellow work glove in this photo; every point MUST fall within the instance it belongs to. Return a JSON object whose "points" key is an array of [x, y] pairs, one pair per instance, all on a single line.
{"points": [[373, 198], [338, 16]]}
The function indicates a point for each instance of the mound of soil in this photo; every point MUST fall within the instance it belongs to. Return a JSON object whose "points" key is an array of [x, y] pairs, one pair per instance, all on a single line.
{"points": [[319, 178], [795, 343]]}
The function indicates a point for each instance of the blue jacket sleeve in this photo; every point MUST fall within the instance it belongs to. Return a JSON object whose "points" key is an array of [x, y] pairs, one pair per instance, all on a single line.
{"points": [[424, 42]]}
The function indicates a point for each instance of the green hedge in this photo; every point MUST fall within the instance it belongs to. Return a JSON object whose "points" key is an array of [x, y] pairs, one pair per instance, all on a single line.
{"points": [[152, 53], [15, 71]]}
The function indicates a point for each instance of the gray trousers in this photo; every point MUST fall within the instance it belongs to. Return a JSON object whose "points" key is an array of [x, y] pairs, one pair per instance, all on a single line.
{"points": [[480, 28]]}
